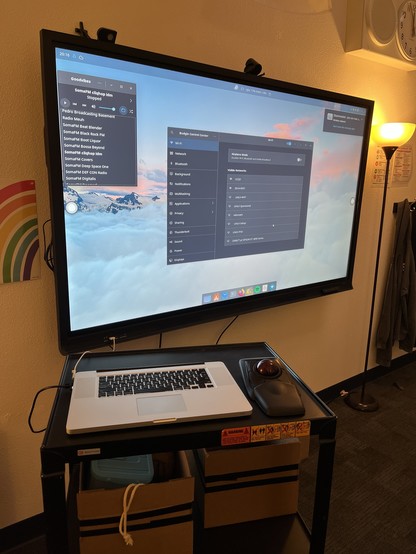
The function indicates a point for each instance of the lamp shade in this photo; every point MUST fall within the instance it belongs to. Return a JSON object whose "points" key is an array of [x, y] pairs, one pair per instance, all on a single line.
{"points": [[392, 134]]}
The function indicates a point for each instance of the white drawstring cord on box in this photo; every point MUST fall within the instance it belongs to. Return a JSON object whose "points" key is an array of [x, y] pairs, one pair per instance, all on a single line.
{"points": [[130, 489]]}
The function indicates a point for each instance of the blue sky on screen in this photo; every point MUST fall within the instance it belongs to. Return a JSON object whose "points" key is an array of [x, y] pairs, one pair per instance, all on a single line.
{"points": [[117, 262]]}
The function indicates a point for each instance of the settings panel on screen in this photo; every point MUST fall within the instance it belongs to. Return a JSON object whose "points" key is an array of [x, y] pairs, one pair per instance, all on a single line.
{"points": [[234, 195]]}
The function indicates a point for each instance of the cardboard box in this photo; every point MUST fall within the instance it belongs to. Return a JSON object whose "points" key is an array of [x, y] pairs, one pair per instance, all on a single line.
{"points": [[159, 519], [247, 483]]}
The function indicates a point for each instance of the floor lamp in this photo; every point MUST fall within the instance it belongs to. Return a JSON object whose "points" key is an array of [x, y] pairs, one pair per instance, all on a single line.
{"points": [[389, 136]]}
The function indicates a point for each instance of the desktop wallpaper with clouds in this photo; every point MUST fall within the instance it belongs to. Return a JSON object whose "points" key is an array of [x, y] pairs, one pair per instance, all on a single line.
{"points": [[117, 239]]}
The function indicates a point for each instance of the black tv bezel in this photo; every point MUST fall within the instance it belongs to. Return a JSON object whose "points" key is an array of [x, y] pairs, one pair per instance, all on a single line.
{"points": [[105, 335]]}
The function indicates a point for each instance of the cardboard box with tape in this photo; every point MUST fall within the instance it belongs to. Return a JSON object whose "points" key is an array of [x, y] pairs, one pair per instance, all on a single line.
{"points": [[158, 519], [239, 484]]}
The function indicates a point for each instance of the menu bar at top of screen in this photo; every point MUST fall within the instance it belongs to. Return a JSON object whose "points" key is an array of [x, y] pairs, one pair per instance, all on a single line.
{"points": [[76, 60]]}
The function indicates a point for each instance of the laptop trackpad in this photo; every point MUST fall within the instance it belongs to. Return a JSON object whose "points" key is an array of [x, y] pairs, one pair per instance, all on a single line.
{"points": [[150, 405]]}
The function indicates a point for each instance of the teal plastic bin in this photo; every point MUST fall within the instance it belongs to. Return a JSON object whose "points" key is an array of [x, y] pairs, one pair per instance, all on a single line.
{"points": [[118, 472]]}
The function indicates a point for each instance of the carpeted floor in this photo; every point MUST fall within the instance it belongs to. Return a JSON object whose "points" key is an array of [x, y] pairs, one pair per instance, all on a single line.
{"points": [[373, 501]]}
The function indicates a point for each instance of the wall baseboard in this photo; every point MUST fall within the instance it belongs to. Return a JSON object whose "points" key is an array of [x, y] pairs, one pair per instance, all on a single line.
{"points": [[334, 391], [21, 532]]}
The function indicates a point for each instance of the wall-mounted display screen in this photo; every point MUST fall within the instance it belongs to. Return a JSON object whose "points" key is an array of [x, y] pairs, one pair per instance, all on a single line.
{"points": [[182, 193]]}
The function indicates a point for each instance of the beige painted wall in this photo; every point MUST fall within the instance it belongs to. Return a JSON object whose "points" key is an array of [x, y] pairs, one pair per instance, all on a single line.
{"points": [[323, 339]]}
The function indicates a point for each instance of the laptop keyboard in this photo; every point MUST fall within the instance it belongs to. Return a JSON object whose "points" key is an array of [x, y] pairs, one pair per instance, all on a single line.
{"points": [[153, 381]]}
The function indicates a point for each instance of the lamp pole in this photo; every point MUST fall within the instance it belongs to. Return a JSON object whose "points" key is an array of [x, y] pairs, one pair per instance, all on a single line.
{"points": [[384, 135], [361, 400]]}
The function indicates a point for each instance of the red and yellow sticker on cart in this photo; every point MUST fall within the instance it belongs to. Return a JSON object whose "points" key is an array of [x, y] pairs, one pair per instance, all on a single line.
{"points": [[237, 435], [267, 432]]}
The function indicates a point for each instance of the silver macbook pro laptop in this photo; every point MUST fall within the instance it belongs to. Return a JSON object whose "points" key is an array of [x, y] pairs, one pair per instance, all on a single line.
{"points": [[116, 399]]}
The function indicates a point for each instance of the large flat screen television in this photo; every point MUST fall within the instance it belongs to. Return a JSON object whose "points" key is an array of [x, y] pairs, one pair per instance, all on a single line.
{"points": [[183, 193]]}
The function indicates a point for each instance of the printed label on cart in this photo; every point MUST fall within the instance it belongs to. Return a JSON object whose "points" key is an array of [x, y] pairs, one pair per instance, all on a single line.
{"points": [[89, 452], [288, 430], [303, 428], [273, 432], [238, 435], [267, 432], [258, 433]]}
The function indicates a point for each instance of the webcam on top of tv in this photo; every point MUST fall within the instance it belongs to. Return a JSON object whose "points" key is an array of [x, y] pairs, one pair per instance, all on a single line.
{"points": [[103, 33]]}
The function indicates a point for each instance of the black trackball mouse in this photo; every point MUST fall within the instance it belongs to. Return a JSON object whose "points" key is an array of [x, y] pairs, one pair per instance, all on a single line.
{"points": [[278, 398], [268, 383], [269, 367]]}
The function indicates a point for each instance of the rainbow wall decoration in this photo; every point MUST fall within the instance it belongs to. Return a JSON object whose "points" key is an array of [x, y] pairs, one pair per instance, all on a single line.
{"points": [[19, 239]]}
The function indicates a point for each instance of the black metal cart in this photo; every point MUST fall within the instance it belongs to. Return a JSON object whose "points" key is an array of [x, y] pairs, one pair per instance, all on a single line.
{"points": [[287, 534]]}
